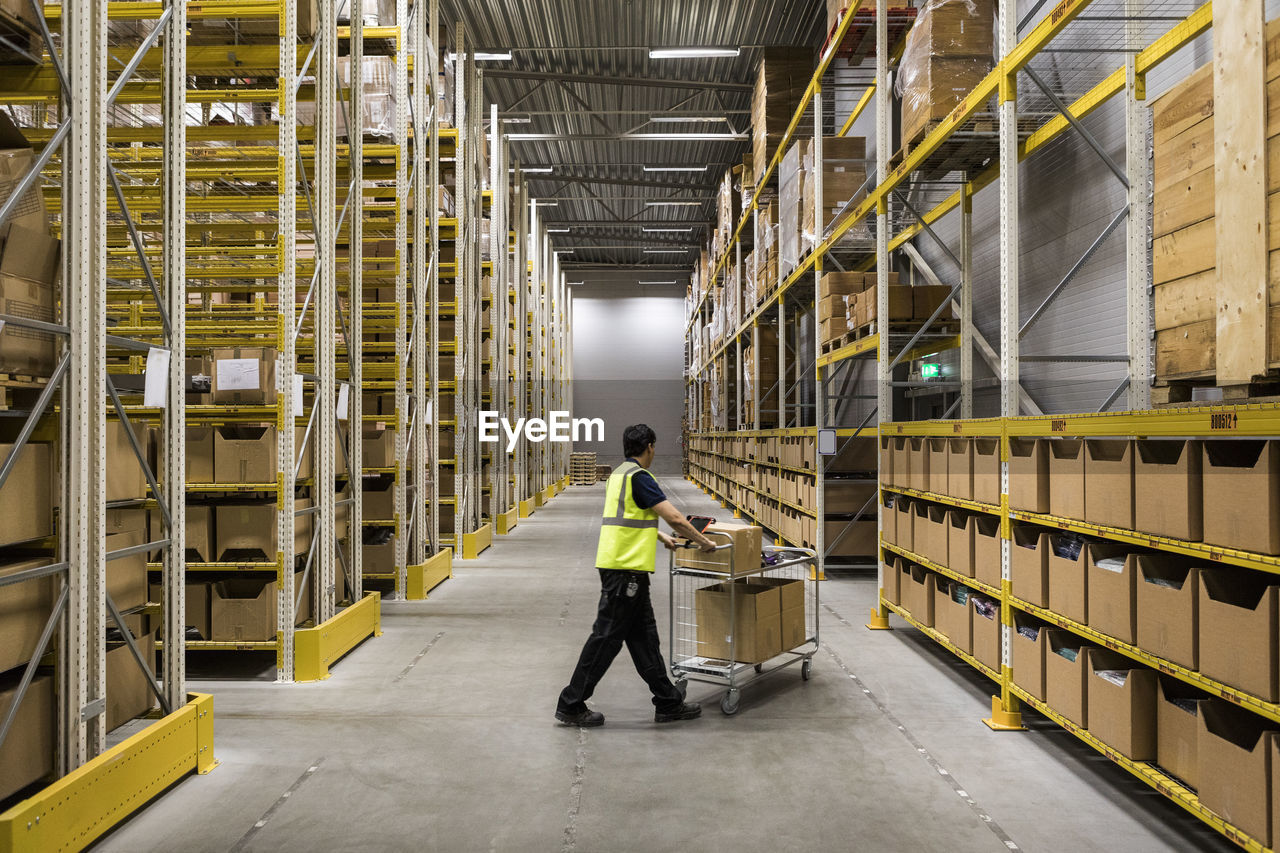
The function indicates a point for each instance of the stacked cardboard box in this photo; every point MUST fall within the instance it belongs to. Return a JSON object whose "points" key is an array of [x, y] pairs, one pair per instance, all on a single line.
{"points": [[781, 79], [948, 52], [28, 263], [843, 175], [1184, 254]]}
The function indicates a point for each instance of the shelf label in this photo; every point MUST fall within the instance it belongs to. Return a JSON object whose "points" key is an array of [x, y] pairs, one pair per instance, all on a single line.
{"points": [[1058, 425], [1223, 421]]}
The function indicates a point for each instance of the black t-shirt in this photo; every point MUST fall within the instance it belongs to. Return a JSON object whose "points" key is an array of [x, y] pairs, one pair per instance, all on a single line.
{"points": [[644, 489]]}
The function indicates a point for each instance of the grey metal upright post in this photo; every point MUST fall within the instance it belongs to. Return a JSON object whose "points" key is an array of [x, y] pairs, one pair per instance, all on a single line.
{"points": [[432, 54], [325, 231], [355, 297], [819, 391], [422, 114], [1137, 123], [175, 416], [400, 498], [966, 298], [884, 391]]}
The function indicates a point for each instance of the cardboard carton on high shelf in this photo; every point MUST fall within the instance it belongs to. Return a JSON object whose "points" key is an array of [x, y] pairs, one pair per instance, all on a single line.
{"points": [[26, 498], [901, 305], [27, 753], [1112, 590], [1168, 593], [24, 610], [986, 549], [836, 7], [960, 468], [744, 557], [253, 30], [379, 446], [947, 53], [1109, 476], [1122, 704], [245, 454], [247, 532], [986, 470], [199, 532], [243, 610], [751, 635], [244, 375], [16, 159], [844, 175], [1177, 724], [1242, 494], [781, 80], [1234, 749], [127, 576], [1238, 630], [128, 694], [28, 274]]}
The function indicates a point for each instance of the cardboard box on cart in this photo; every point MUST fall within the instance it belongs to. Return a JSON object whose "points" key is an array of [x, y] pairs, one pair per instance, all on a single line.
{"points": [[743, 558]]}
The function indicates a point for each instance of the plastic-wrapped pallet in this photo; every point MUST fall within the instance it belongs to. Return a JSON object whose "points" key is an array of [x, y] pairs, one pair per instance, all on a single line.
{"points": [[379, 106], [843, 177], [948, 52], [789, 190], [749, 291], [781, 79]]}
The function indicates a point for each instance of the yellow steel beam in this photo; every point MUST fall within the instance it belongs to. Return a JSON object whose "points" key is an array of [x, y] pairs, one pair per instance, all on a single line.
{"points": [[316, 649], [89, 801], [149, 10], [426, 577]]}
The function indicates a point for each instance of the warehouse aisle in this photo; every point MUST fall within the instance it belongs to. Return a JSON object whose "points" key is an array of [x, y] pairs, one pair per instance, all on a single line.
{"points": [[439, 736]]}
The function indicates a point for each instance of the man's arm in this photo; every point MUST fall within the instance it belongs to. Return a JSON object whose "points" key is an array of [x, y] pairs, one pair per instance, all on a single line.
{"points": [[681, 525]]}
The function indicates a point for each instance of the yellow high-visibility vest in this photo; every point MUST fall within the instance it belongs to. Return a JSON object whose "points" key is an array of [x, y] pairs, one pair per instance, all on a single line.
{"points": [[629, 535]]}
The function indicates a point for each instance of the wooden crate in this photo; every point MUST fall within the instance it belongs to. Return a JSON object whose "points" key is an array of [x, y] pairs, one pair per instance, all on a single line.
{"points": [[1189, 292]]}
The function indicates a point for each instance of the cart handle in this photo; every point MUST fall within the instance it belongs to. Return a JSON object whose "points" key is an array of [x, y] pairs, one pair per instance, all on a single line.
{"points": [[687, 543]]}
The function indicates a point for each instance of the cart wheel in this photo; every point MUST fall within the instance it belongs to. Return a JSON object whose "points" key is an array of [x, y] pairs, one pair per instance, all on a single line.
{"points": [[805, 668], [759, 667], [682, 684], [729, 703]]}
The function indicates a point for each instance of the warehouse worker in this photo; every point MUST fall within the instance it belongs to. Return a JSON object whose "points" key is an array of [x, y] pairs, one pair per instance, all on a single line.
{"points": [[626, 555]]}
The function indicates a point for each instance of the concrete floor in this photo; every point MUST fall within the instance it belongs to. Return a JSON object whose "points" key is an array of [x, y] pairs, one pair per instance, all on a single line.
{"points": [[439, 736]]}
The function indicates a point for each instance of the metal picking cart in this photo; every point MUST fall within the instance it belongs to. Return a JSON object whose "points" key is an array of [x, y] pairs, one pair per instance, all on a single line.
{"points": [[708, 590]]}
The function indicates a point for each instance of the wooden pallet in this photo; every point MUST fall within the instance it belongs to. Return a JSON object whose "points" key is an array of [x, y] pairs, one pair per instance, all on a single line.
{"points": [[19, 391], [860, 39], [970, 149], [1179, 392]]}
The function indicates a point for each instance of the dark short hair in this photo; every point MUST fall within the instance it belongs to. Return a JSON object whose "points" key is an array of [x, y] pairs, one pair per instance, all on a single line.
{"points": [[636, 440]]}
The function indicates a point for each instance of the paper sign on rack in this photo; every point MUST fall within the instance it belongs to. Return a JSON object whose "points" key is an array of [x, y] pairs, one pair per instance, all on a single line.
{"points": [[297, 395], [157, 377], [238, 374], [344, 395]]}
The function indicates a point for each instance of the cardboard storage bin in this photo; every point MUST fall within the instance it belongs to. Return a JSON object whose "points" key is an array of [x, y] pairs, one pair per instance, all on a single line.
{"points": [[986, 470], [1066, 478], [1068, 578], [841, 496], [1029, 564], [1066, 674], [1122, 704], [127, 576], [1242, 494], [377, 499], [378, 446], [27, 496], [245, 454], [128, 695], [986, 550], [1112, 591], [849, 538], [1234, 757], [197, 608], [245, 532], [1028, 475], [379, 555], [886, 474], [889, 588], [903, 529], [751, 635], [1177, 729], [919, 471], [1238, 634], [961, 528], [1168, 600], [960, 468], [243, 610], [124, 478], [985, 615], [1030, 637], [918, 585], [953, 613], [27, 754], [743, 557], [937, 448], [921, 529], [1108, 473], [935, 523], [902, 460], [24, 610], [888, 517], [1169, 489], [200, 454]]}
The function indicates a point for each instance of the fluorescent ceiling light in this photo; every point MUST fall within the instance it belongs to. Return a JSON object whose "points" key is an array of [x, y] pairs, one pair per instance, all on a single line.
{"points": [[672, 203], [557, 230], [572, 283], [664, 251], [657, 282], [669, 119], [675, 168], [666, 230], [690, 52], [546, 203], [563, 251], [536, 170], [517, 120]]}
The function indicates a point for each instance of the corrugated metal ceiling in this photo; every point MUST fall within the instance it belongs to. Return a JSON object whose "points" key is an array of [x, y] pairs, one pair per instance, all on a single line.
{"points": [[580, 69]]}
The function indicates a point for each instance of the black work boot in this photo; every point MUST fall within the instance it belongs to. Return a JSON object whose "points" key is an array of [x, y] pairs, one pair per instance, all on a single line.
{"points": [[684, 711], [585, 719]]}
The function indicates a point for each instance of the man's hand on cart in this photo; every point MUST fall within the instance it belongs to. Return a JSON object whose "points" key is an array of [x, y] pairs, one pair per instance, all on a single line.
{"points": [[669, 542], [672, 516]]}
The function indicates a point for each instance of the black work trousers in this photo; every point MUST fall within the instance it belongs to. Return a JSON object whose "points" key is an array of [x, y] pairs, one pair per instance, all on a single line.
{"points": [[621, 619]]}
